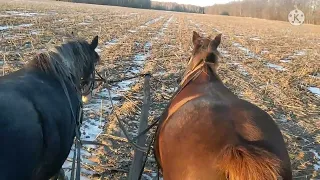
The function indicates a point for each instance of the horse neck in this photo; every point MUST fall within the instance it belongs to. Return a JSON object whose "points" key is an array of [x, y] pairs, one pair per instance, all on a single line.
{"points": [[211, 72], [56, 66], [204, 71]]}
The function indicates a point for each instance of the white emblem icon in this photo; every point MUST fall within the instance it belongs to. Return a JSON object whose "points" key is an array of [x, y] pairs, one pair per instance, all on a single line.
{"points": [[296, 17]]}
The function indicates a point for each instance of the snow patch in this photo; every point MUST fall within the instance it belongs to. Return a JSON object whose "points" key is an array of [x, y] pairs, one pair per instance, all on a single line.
{"points": [[245, 50], [255, 38], [223, 52], [168, 22], [25, 25], [277, 67], [296, 54], [240, 68], [218, 31], [300, 53], [283, 118], [2, 28], [4, 15], [153, 21], [264, 51], [140, 58], [317, 156], [25, 14], [35, 32], [84, 23], [286, 60], [239, 35], [112, 42], [98, 50], [90, 129], [317, 75], [315, 91], [147, 177], [63, 20], [161, 31]]}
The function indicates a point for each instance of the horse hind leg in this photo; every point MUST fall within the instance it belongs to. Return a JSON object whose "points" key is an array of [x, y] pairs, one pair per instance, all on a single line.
{"points": [[59, 176]]}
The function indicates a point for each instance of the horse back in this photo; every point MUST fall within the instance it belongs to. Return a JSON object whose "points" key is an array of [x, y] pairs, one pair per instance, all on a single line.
{"points": [[36, 116], [21, 137], [202, 128]]}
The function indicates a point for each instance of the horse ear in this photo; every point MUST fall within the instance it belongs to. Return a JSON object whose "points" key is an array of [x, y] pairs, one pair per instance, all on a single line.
{"points": [[195, 38], [94, 43], [216, 42]]}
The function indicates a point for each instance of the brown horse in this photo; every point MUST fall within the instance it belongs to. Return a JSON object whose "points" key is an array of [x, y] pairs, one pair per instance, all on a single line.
{"points": [[208, 133]]}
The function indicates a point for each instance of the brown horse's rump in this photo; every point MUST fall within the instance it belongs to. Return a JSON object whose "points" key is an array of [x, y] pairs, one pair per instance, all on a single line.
{"points": [[208, 133]]}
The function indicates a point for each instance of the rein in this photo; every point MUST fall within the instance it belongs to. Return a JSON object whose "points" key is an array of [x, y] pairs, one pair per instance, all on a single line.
{"points": [[183, 85], [77, 132], [194, 75], [92, 82], [76, 160]]}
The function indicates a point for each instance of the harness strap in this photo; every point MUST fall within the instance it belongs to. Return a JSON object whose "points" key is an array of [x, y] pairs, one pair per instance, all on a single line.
{"points": [[78, 159], [77, 129], [73, 163], [174, 109], [77, 151], [142, 149], [146, 158], [147, 129], [197, 67]]}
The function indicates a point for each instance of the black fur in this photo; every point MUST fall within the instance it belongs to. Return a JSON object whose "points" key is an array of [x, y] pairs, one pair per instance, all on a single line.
{"points": [[36, 125]]}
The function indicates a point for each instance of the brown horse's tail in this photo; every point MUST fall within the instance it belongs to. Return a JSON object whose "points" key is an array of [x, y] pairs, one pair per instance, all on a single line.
{"points": [[249, 163]]}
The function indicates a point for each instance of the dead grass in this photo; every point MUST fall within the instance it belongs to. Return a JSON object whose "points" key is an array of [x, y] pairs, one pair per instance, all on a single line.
{"points": [[283, 94]]}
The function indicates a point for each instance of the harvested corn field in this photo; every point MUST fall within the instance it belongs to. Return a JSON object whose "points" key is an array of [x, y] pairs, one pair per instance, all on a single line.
{"points": [[272, 64]]}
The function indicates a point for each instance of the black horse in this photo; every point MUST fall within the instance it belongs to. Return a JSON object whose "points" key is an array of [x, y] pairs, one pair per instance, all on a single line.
{"points": [[39, 109]]}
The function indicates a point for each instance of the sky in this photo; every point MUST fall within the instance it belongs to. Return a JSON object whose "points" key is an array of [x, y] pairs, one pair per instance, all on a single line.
{"points": [[197, 2]]}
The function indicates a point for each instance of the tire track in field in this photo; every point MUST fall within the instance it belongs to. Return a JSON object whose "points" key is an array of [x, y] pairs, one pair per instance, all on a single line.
{"points": [[117, 41], [164, 42], [145, 55]]}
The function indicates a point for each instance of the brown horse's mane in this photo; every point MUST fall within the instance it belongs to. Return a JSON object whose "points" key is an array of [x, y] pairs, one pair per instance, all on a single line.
{"points": [[206, 61]]}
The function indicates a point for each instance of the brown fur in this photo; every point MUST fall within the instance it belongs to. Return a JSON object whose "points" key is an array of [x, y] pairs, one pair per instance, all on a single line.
{"points": [[208, 133], [250, 162]]}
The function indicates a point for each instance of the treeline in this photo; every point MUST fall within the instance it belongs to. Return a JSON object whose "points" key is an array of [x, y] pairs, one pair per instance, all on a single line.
{"points": [[171, 6], [265, 9], [145, 4], [269, 9]]}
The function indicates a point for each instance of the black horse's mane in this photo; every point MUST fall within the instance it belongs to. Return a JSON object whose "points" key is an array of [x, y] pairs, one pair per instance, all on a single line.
{"points": [[66, 62]]}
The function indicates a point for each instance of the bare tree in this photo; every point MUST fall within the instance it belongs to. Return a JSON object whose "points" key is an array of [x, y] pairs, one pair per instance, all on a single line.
{"points": [[269, 9]]}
